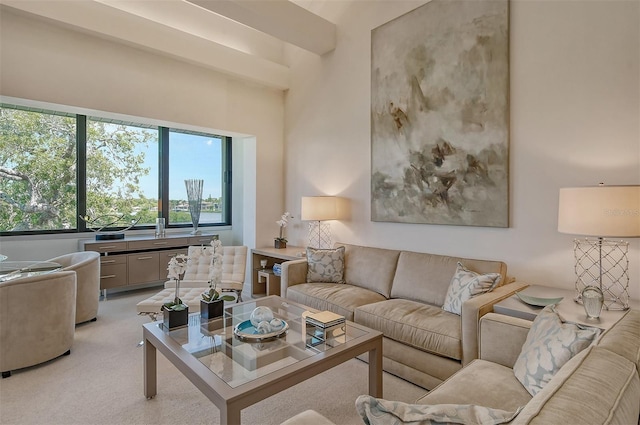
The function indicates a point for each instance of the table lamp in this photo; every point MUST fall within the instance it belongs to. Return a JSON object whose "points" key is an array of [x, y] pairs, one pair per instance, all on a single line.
{"points": [[601, 212], [318, 209]]}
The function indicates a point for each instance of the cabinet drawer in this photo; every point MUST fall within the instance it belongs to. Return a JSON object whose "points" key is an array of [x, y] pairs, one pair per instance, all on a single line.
{"points": [[112, 259], [165, 256], [143, 267], [157, 243], [106, 246], [113, 275], [201, 240]]}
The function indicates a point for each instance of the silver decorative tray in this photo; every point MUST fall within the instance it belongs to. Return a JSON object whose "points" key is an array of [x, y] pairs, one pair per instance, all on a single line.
{"points": [[538, 301], [245, 331]]}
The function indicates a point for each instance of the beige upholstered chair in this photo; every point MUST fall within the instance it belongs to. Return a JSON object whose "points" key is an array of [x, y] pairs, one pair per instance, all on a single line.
{"points": [[37, 319], [86, 264], [234, 263]]}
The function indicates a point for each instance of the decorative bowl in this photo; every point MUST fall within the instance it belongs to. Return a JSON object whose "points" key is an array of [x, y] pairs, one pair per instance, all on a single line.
{"points": [[537, 301]]}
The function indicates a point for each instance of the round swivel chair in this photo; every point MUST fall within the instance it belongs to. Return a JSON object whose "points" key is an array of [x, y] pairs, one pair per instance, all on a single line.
{"points": [[86, 264], [37, 319]]}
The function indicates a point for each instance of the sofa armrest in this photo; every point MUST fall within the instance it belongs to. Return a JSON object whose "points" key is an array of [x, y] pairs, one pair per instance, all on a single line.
{"points": [[474, 309], [502, 337], [293, 273]]}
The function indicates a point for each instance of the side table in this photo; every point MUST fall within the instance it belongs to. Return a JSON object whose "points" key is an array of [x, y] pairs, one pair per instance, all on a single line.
{"points": [[271, 281], [10, 270], [567, 308], [262, 285]]}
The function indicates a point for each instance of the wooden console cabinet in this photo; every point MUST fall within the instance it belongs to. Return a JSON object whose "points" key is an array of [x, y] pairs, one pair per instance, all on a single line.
{"points": [[139, 259], [263, 281]]}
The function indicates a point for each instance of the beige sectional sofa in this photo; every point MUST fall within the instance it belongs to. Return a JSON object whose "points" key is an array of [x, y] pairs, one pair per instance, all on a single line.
{"points": [[400, 293], [600, 385]]}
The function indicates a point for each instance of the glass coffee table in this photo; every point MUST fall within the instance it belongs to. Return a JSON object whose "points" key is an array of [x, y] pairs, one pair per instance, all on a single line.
{"points": [[235, 373], [10, 270]]}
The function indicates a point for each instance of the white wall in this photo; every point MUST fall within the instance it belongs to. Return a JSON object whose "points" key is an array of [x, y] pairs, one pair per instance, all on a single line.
{"points": [[575, 121], [57, 65]]}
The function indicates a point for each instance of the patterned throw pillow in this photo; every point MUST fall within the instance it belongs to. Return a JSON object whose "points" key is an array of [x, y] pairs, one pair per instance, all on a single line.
{"points": [[325, 265], [550, 343], [465, 285], [377, 411]]}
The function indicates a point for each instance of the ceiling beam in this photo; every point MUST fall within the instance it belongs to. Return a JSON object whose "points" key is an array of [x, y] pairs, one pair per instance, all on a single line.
{"points": [[112, 23], [280, 18]]}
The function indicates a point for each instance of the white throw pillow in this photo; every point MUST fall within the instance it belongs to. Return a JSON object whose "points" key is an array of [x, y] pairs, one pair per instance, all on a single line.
{"points": [[550, 343], [325, 265], [466, 284], [376, 411]]}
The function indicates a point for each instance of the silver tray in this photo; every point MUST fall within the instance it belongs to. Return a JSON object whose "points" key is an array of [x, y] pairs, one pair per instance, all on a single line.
{"points": [[245, 331]]}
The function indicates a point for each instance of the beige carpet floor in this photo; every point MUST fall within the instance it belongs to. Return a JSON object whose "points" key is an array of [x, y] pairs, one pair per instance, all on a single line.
{"points": [[101, 383]]}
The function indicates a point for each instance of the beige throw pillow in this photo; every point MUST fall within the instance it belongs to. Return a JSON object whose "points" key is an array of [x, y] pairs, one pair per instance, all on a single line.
{"points": [[466, 284], [550, 344], [325, 265]]}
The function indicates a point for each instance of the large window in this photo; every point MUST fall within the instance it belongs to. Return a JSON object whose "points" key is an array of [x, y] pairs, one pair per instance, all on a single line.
{"points": [[122, 172], [56, 167], [203, 153], [37, 171]]}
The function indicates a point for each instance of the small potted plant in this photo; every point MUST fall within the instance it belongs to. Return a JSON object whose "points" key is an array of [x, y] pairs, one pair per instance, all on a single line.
{"points": [[176, 313], [281, 241], [212, 303]]}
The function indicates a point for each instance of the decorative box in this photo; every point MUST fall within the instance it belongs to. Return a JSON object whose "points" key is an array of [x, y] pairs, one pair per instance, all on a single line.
{"points": [[322, 326]]}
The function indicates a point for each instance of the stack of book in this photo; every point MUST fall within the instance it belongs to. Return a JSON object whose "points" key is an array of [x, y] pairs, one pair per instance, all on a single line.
{"points": [[322, 326], [325, 319]]}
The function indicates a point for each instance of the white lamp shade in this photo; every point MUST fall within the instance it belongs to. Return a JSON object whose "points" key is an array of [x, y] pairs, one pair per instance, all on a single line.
{"points": [[319, 208], [602, 211]]}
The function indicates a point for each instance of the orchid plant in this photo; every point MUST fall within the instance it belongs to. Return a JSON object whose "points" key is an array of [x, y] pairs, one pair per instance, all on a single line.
{"points": [[215, 275], [177, 267], [284, 220]]}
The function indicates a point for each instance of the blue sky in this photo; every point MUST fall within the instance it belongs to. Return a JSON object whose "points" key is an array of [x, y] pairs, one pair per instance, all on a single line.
{"points": [[190, 157]]}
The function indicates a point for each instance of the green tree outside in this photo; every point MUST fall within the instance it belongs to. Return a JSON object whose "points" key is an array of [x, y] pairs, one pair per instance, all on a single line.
{"points": [[38, 171], [38, 174]]}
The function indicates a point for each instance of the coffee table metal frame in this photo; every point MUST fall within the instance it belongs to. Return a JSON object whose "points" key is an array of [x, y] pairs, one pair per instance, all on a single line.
{"points": [[230, 401]]}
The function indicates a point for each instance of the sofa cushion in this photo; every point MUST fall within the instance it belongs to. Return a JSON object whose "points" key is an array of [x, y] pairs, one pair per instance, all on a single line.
{"points": [[482, 383], [425, 327], [377, 411], [337, 297], [370, 268], [421, 277], [595, 387], [550, 344], [624, 337], [426, 277], [325, 265], [466, 284]]}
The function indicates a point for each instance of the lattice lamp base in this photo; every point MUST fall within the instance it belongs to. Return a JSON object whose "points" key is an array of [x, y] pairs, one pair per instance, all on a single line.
{"points": [[319, 235], [603, 263]]}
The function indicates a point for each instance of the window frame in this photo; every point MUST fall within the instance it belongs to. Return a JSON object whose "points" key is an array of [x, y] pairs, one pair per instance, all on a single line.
{"points": [[163, 172]]}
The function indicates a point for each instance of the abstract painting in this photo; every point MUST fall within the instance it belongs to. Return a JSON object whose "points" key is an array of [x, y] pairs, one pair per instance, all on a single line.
{"points": [[440, 115]]}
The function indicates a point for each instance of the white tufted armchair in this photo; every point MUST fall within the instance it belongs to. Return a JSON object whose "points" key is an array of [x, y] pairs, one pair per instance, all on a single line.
{"points": [[234, 263]]}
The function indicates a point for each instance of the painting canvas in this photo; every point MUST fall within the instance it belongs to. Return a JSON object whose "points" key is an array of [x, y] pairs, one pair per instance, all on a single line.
{"points": [[440, 115]]}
